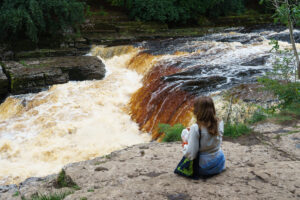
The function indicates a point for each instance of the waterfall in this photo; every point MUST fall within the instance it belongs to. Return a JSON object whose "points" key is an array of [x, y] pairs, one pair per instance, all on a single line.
{"points": [[146, 84]]}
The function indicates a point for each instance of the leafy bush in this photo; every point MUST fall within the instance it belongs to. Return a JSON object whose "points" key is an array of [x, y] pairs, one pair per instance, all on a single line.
{"points": [[171, 133], [226, 7], [286, 114], [281, 80], [34, 18], [179, 11], [258, 115], [235, 129]]}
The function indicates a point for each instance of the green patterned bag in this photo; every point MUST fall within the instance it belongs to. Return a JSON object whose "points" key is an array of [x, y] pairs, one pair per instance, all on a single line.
{"points": [[189, 168]]}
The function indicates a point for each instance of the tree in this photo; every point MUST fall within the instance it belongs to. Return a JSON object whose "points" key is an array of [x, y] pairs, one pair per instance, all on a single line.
{"points": [[178, 11], [288, 13], [32, 19]]}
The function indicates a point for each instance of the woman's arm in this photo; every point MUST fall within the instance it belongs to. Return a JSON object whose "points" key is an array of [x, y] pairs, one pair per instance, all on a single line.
{"points": [[193, 143]]}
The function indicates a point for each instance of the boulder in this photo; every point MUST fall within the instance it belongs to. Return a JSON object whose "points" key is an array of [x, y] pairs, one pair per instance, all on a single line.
{"points": [[256, 61], [35, 74], [285, 36]]}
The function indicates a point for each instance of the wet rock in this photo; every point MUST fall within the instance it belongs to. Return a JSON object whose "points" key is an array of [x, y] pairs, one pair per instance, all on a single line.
{"points": [[285, 36], [35, 74], [242, 38], [9, 192], [256, 61], [198, 85], [6, 188], [249, 72], [24, 79], [4, 83]]}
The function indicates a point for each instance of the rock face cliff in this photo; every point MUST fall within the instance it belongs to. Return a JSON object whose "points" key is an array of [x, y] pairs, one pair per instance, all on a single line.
{"points": [[33, 75], [264, 165]]}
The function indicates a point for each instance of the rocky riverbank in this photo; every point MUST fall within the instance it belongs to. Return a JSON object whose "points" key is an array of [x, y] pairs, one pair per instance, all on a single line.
{"points": [[263, 165], [32, 75]]}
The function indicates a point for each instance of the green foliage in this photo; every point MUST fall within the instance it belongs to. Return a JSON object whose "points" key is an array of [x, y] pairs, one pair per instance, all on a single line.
{"points": [[90, 13], [178, 11], [172, 133], [60, 196], [235, 129], [285, 10], [16, 194], [63, 180], [35, 18], [258, 115], [289, 113], [279, 79], [226, 7]]}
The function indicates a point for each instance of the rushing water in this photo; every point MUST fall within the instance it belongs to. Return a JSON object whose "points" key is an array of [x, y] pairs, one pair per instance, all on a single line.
{"points": [[146, 84]]}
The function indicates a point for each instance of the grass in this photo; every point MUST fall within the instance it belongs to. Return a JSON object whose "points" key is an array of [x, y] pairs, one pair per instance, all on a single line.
{"points": [[16, 194], [172, 133], [60, 196], [99, 162], [287, 114], [235, 130], [258, 116], [64, 180]]}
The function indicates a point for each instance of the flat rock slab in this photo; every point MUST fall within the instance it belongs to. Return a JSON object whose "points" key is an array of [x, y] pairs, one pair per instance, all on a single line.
{"points": [[3, 83], [145, 171], [35, 74]]}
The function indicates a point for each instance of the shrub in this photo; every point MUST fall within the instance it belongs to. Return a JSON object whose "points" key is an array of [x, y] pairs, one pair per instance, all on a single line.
{"points": [[259, 115], [235, 129], [35, 18], [226, 7], [172, 133], [281, 80]]}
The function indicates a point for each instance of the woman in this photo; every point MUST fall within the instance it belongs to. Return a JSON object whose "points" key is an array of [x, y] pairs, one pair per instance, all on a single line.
{"points": [[212, 159]]}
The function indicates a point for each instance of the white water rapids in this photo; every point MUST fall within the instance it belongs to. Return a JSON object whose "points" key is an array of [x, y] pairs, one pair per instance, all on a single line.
{"points": [[70, 122]]}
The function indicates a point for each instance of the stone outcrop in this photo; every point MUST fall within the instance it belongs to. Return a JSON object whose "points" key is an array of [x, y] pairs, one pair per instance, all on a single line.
{"points": [[36, 74], [285, 36], [265, 165]]}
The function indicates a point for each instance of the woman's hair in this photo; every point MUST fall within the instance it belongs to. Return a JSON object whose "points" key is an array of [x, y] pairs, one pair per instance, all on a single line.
{"points": [[205, 112]]}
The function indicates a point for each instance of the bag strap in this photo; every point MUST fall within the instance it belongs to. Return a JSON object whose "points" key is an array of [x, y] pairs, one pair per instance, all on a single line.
{"points": [[199, 139]]}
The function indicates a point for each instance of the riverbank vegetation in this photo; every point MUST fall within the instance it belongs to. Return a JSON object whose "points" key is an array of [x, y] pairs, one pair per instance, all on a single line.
{"points": [[36, 20], [33, 19], [178, 11]]}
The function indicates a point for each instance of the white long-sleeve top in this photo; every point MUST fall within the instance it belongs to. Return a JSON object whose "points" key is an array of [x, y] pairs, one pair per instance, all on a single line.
{"points": [[210, 144]]}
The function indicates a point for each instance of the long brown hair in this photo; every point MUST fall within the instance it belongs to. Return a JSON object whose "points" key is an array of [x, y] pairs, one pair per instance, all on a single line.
{"points": [[205, 112]]}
